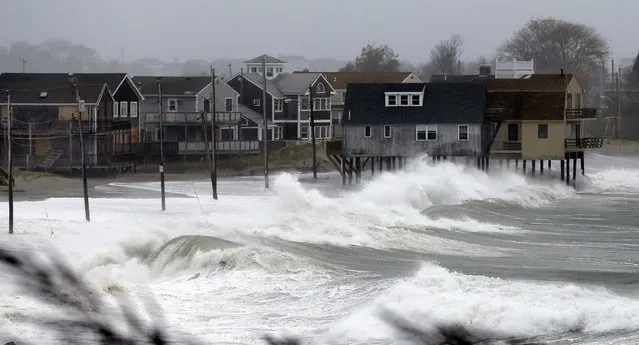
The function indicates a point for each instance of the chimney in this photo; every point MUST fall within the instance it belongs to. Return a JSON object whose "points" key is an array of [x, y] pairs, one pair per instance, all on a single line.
{"points": [[484, 70]]}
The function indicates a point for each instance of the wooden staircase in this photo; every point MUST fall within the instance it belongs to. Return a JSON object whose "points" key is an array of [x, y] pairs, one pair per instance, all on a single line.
{"points": [[50, 159]]}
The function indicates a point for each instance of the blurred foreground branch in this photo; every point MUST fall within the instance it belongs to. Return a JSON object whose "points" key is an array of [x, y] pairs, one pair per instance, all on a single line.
{"points": [[52, 281]]}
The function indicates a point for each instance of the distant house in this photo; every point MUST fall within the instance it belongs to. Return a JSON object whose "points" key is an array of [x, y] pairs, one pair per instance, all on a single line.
{"points": [[406, 120], [184, 101], [340, 81], [45, 113], [288, 98]]}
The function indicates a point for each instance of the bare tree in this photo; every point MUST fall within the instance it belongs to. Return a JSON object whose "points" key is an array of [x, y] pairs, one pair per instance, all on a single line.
{"points": [[445, 56], [373, 58], [555, 43]]}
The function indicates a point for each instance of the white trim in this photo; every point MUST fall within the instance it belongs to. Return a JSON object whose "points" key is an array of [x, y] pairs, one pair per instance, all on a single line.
{"points": [[105, 87], [459, 132], [413, 76], [390, 131], [317, 88], [124, 106], [116, 109], [133, 105], [319, 99], [135, 88], [168, 105], [225, 108], [370, 131], [398, 97], [279, 101], [425, 130]]}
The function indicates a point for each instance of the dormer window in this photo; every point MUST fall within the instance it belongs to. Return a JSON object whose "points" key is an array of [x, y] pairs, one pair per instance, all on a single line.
{"points": [[404, 99]]}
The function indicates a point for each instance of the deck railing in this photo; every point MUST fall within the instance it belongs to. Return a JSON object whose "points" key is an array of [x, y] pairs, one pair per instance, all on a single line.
{"points": [[192, 117], [506, 146], [221, 146], [583, 143], [581, 113]]}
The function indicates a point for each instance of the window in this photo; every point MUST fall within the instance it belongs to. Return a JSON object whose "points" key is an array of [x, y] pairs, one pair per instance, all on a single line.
{"points": [[320, 88], [116, 110], [321, 103], [462, 132], [269, 71], [403, 100], [367, 131], [414, 100], [304, 132], [278, 133], [172, 104], [253, 69], [279, 105], [124, 109], [278, 69], [426, 133], [542, 131], [305, 102], [387, 131], [344, 97], [207, 105], [133, 109], [228, 104], [391, 100], [322, 132], [257, 102]]}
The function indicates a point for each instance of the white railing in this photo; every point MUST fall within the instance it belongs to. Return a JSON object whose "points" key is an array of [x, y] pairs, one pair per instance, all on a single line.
{"points": [[228, 117], [221, 146]]}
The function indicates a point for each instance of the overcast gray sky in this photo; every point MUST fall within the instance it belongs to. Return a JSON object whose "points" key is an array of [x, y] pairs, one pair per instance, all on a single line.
{"points": [[184, 29]]}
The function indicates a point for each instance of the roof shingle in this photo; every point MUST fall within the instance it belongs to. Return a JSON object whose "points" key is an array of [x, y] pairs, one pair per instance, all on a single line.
{"points": [[52, 88], [340, 80], [172, 85]]}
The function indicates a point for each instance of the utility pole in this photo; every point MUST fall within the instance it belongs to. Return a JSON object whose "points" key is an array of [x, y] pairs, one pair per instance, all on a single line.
{"points": [[85, 189], [618, 90], [9, 162], [265, 138], [208, 152], [312, 123], [161, 143], [213, 136]]}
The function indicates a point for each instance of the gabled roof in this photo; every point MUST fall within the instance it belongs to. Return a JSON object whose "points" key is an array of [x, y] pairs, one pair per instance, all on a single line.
{"points": [[533, 82], [339, 80], [172, 85], [256, 79], [443, 103], [254, 116], [52, 88], [528, 105], [269, 59], [297, 83]]}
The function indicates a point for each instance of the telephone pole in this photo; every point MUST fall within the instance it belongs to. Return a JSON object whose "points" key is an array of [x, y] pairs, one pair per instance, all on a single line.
{"points": [[161, 143], [208, 151], [85, 189], [213, 136], [265, 138], [9, 162], [312, 123]]}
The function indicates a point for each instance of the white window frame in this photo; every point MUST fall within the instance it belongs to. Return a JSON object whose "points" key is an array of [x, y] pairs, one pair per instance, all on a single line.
{"points": [[226, 99], [257, 102], [270, 72], [390, 131], [133, 109], [459, 132], [343, 99], [253, 70], [401, 100], [370, 131], [168, 105], [279, 105], [388, 100], [124, 109], [321, 103], [116, 109], [421, 129], [278, 133], [432, 128], [302, 128], [320, 88], [412, 100]]}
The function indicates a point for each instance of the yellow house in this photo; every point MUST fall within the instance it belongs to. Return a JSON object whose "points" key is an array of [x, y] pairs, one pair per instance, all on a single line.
{"points": [[540, 117]]}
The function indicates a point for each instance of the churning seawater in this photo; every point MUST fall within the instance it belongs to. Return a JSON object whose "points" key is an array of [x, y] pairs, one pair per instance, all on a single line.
{"points": [[435, 243]]}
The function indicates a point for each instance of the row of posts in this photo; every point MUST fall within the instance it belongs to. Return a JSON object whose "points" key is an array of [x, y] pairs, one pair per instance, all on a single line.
{"points": [[353, 166]]}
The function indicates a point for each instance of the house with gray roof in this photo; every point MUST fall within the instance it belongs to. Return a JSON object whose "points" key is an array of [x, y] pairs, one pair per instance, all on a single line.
{"points": [[289, 97]]}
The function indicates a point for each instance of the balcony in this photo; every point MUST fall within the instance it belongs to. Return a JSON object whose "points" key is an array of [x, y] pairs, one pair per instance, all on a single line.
{"points": [[193, 117], [583, 143], [581, 114], [222, 147], [506, 146]]}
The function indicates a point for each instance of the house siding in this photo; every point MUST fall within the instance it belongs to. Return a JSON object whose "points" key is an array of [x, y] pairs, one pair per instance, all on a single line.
{"points": [[403, 141], [222, 92], [551, 148], [248, 92]]}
